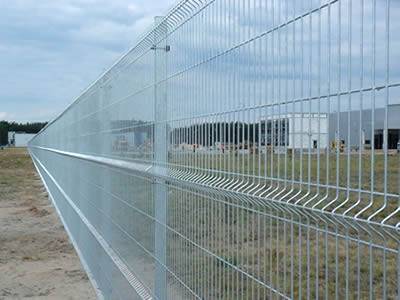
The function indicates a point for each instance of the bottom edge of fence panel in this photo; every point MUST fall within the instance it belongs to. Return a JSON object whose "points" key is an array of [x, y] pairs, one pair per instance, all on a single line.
{"points": [[97, 287], [82, 259]]}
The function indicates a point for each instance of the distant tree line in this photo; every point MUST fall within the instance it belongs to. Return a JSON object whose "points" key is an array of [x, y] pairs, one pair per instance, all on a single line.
{"points": [[5, 127], [207, 134]]}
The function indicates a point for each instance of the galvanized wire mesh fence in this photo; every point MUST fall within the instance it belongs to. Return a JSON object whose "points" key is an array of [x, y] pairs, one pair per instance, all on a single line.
{"points": [[243, 149]]}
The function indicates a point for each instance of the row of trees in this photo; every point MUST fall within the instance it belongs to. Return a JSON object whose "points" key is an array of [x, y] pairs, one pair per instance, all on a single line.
{"points": [[5, 127]]}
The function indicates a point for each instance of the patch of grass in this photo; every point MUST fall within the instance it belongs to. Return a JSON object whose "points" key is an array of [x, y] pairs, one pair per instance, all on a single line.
{"points": [[255, 251], [347, 174], [16, 170]]}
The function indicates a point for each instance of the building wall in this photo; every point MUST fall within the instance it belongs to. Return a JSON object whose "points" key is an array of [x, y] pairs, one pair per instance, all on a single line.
{"points": [[22, 139], [349, 131], [308, 131]]}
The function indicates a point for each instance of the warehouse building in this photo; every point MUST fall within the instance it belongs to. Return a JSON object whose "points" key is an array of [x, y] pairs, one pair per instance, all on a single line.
{"points": [[19, 139], [357, 128], [131, 135], [296, 131]]}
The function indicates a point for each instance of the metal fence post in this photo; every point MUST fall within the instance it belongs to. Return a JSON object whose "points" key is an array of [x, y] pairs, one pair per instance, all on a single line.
{"points": [[160, 159]]}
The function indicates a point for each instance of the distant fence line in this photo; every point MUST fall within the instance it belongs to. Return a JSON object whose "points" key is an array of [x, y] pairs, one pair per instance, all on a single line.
{"points": [[243, 149]]}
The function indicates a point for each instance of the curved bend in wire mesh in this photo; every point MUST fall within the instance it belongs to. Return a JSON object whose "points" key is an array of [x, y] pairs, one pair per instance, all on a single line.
{"points": [[241, 150]]}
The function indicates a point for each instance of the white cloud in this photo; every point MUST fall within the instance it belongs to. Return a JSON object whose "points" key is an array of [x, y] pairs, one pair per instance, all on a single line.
{"points": [[133, 8], [5, 116], [52, 50]]}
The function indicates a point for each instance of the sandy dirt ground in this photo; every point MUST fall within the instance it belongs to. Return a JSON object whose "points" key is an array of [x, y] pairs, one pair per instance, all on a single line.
{"points": [[37, 259]]}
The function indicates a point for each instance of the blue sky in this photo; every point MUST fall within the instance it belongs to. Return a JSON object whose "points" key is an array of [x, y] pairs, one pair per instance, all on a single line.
{"points": [[50, 51]]}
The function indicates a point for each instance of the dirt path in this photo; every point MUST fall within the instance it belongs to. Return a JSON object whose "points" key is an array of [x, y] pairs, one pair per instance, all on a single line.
{"points": [[36, 258]]}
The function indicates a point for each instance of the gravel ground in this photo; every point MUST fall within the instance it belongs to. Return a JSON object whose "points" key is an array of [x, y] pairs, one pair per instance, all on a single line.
{"points": [[37, 259]]}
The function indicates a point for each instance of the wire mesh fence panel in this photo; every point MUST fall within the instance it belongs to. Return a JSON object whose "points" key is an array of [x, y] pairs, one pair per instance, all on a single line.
{"points": [[242, 149]]}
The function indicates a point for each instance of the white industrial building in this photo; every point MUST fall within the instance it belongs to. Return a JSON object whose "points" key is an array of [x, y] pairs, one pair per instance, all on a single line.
{"points": [[296, 131], [19, 139]]}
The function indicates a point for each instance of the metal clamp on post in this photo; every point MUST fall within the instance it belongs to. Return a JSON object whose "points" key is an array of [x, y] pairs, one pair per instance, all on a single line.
{"points": [[166, 48]]}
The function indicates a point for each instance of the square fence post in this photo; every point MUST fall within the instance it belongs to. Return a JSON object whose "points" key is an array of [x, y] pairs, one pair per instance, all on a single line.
{"points": [[160, 160]]}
